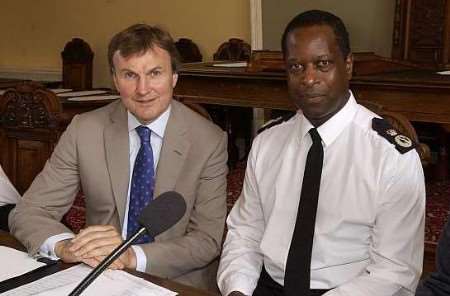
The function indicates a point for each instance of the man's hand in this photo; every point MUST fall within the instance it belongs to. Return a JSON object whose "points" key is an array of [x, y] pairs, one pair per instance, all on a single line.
{"points": [[62, 250], [94, 243]]}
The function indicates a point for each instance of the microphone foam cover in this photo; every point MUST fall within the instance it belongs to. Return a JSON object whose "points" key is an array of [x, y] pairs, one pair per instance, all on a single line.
{"points": [[162, 212]]}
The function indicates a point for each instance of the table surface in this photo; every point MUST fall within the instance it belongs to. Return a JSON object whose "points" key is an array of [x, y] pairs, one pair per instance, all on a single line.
{"points": [[8, 240]]}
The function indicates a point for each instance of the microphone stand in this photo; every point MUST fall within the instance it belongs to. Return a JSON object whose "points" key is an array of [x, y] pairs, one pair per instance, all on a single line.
{"points": [[106, 262]]}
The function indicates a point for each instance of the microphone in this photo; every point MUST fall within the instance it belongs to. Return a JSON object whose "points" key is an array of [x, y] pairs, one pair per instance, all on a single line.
{"points": [[160, 214]]}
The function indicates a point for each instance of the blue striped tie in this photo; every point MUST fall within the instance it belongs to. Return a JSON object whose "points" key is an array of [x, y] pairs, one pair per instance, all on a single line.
{"points": [[142, 184]]}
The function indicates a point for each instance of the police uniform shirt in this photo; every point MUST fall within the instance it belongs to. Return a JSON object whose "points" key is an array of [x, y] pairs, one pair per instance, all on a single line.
{"points": [[370, 219]]}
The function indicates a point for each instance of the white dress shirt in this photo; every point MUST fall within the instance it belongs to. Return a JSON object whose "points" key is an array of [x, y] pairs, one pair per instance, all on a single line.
{"points": [[157, 127], [370, 219], [8, 194]]}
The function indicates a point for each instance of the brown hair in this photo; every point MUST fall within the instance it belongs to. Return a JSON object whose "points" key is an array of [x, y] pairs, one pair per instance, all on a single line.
{"points": [[140, 38]]}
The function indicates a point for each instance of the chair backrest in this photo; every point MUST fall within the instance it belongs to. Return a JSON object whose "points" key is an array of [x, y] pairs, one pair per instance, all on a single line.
{"points": [[188, 50], [30, 125], [233, 50], [77, 58], [195, 107], [402, 124]]}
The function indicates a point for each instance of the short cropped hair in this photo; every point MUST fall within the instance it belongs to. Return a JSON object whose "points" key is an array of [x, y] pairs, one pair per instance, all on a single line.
{"points": [[318, 17], [138, 39]]}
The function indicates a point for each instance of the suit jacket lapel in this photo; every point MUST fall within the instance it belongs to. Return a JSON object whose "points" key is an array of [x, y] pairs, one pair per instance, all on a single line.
{"points": [[117, 149], [173, 151]]}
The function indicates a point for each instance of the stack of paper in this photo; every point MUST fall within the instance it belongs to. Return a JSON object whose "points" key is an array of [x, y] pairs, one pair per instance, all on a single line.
{"points": [[15, 263], [111, 283], [94, 98], [81, 93]]}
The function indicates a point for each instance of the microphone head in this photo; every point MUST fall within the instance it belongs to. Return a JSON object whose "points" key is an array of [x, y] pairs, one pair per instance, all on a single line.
{"points": [[162, 212]]}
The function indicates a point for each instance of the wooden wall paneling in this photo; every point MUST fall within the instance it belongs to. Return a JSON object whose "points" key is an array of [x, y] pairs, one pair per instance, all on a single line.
{"points": [[422, 32]]}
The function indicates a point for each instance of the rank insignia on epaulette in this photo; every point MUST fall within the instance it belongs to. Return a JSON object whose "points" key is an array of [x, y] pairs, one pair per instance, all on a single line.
{"points": [[274, 122], [401, 142]]}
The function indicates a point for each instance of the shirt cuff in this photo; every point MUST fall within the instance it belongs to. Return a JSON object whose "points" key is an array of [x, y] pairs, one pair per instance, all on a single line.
{"points": [[141, 258], [238, 283], [48, 247]]}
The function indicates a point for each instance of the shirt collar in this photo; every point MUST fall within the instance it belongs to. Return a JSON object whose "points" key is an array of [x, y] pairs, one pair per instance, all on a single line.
{"points": [[331, 129], [157, 126]]}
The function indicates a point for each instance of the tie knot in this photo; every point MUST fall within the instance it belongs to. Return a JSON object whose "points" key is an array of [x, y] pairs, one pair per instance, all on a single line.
{"points": [[144, 133], [315, 136]]}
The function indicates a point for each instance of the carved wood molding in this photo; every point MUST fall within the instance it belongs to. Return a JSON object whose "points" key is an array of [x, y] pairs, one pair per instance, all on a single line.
{"points": [[30, 105], [234, 49]]}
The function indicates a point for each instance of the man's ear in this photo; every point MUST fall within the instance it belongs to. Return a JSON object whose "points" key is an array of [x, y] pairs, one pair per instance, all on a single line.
{"points": [[349, 65], [114, 78], [174, 79]]}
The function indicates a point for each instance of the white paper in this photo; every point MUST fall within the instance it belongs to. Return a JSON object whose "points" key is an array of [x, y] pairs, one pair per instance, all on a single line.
{"points": [[8, 194], [15, 263], [231, 65], [81, 93], [94, 98], [443, 72], [111, 283], [60, 90]]}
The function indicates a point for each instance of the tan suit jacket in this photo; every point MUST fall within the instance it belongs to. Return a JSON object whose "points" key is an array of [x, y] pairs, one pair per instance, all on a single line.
{"points": [[94, 152]]}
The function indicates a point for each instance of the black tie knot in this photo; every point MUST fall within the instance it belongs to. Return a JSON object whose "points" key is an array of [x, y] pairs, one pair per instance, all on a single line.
{"points": [[315, 136], [144, 133]]}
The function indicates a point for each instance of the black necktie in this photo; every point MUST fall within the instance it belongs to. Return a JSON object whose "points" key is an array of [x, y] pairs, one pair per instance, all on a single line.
{"points": [[298, 266]]}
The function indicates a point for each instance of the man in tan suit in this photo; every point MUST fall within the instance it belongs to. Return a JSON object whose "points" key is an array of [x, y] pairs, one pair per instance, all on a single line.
{"points": [[98, 152]]}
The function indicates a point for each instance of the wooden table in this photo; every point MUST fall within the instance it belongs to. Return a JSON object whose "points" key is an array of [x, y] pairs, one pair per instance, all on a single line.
{"points": [[10, 82], [7, 240], [202, 83], [419, 95]]}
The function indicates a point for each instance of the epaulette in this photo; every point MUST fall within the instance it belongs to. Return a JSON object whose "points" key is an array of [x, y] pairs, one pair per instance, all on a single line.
{"points": [[401, 142], [274, 122]]}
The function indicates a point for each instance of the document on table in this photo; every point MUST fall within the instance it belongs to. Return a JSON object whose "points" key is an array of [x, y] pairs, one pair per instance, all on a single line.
{"points": [[81, 93], [15, 263], [94, 98], [111, 282], [60, 90], [231, 65]]}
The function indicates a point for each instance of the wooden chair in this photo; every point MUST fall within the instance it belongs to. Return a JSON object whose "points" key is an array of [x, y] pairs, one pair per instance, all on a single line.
{"points": [[195, 107], [30, 125], [402, 125], [188, 50], [77, 58], [233, 50], [237, 121]]}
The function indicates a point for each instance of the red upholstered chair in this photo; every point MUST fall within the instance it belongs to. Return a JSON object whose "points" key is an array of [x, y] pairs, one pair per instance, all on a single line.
{"points": [[75, 218]]}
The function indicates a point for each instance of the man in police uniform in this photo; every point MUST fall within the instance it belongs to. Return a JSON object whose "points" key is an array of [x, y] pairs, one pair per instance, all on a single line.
{"points": [[368, 231]]}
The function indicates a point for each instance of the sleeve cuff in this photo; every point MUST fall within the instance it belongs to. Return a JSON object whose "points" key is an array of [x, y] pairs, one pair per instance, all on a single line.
{"points": [[141, 258], [48, 247], [238, 284]]}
